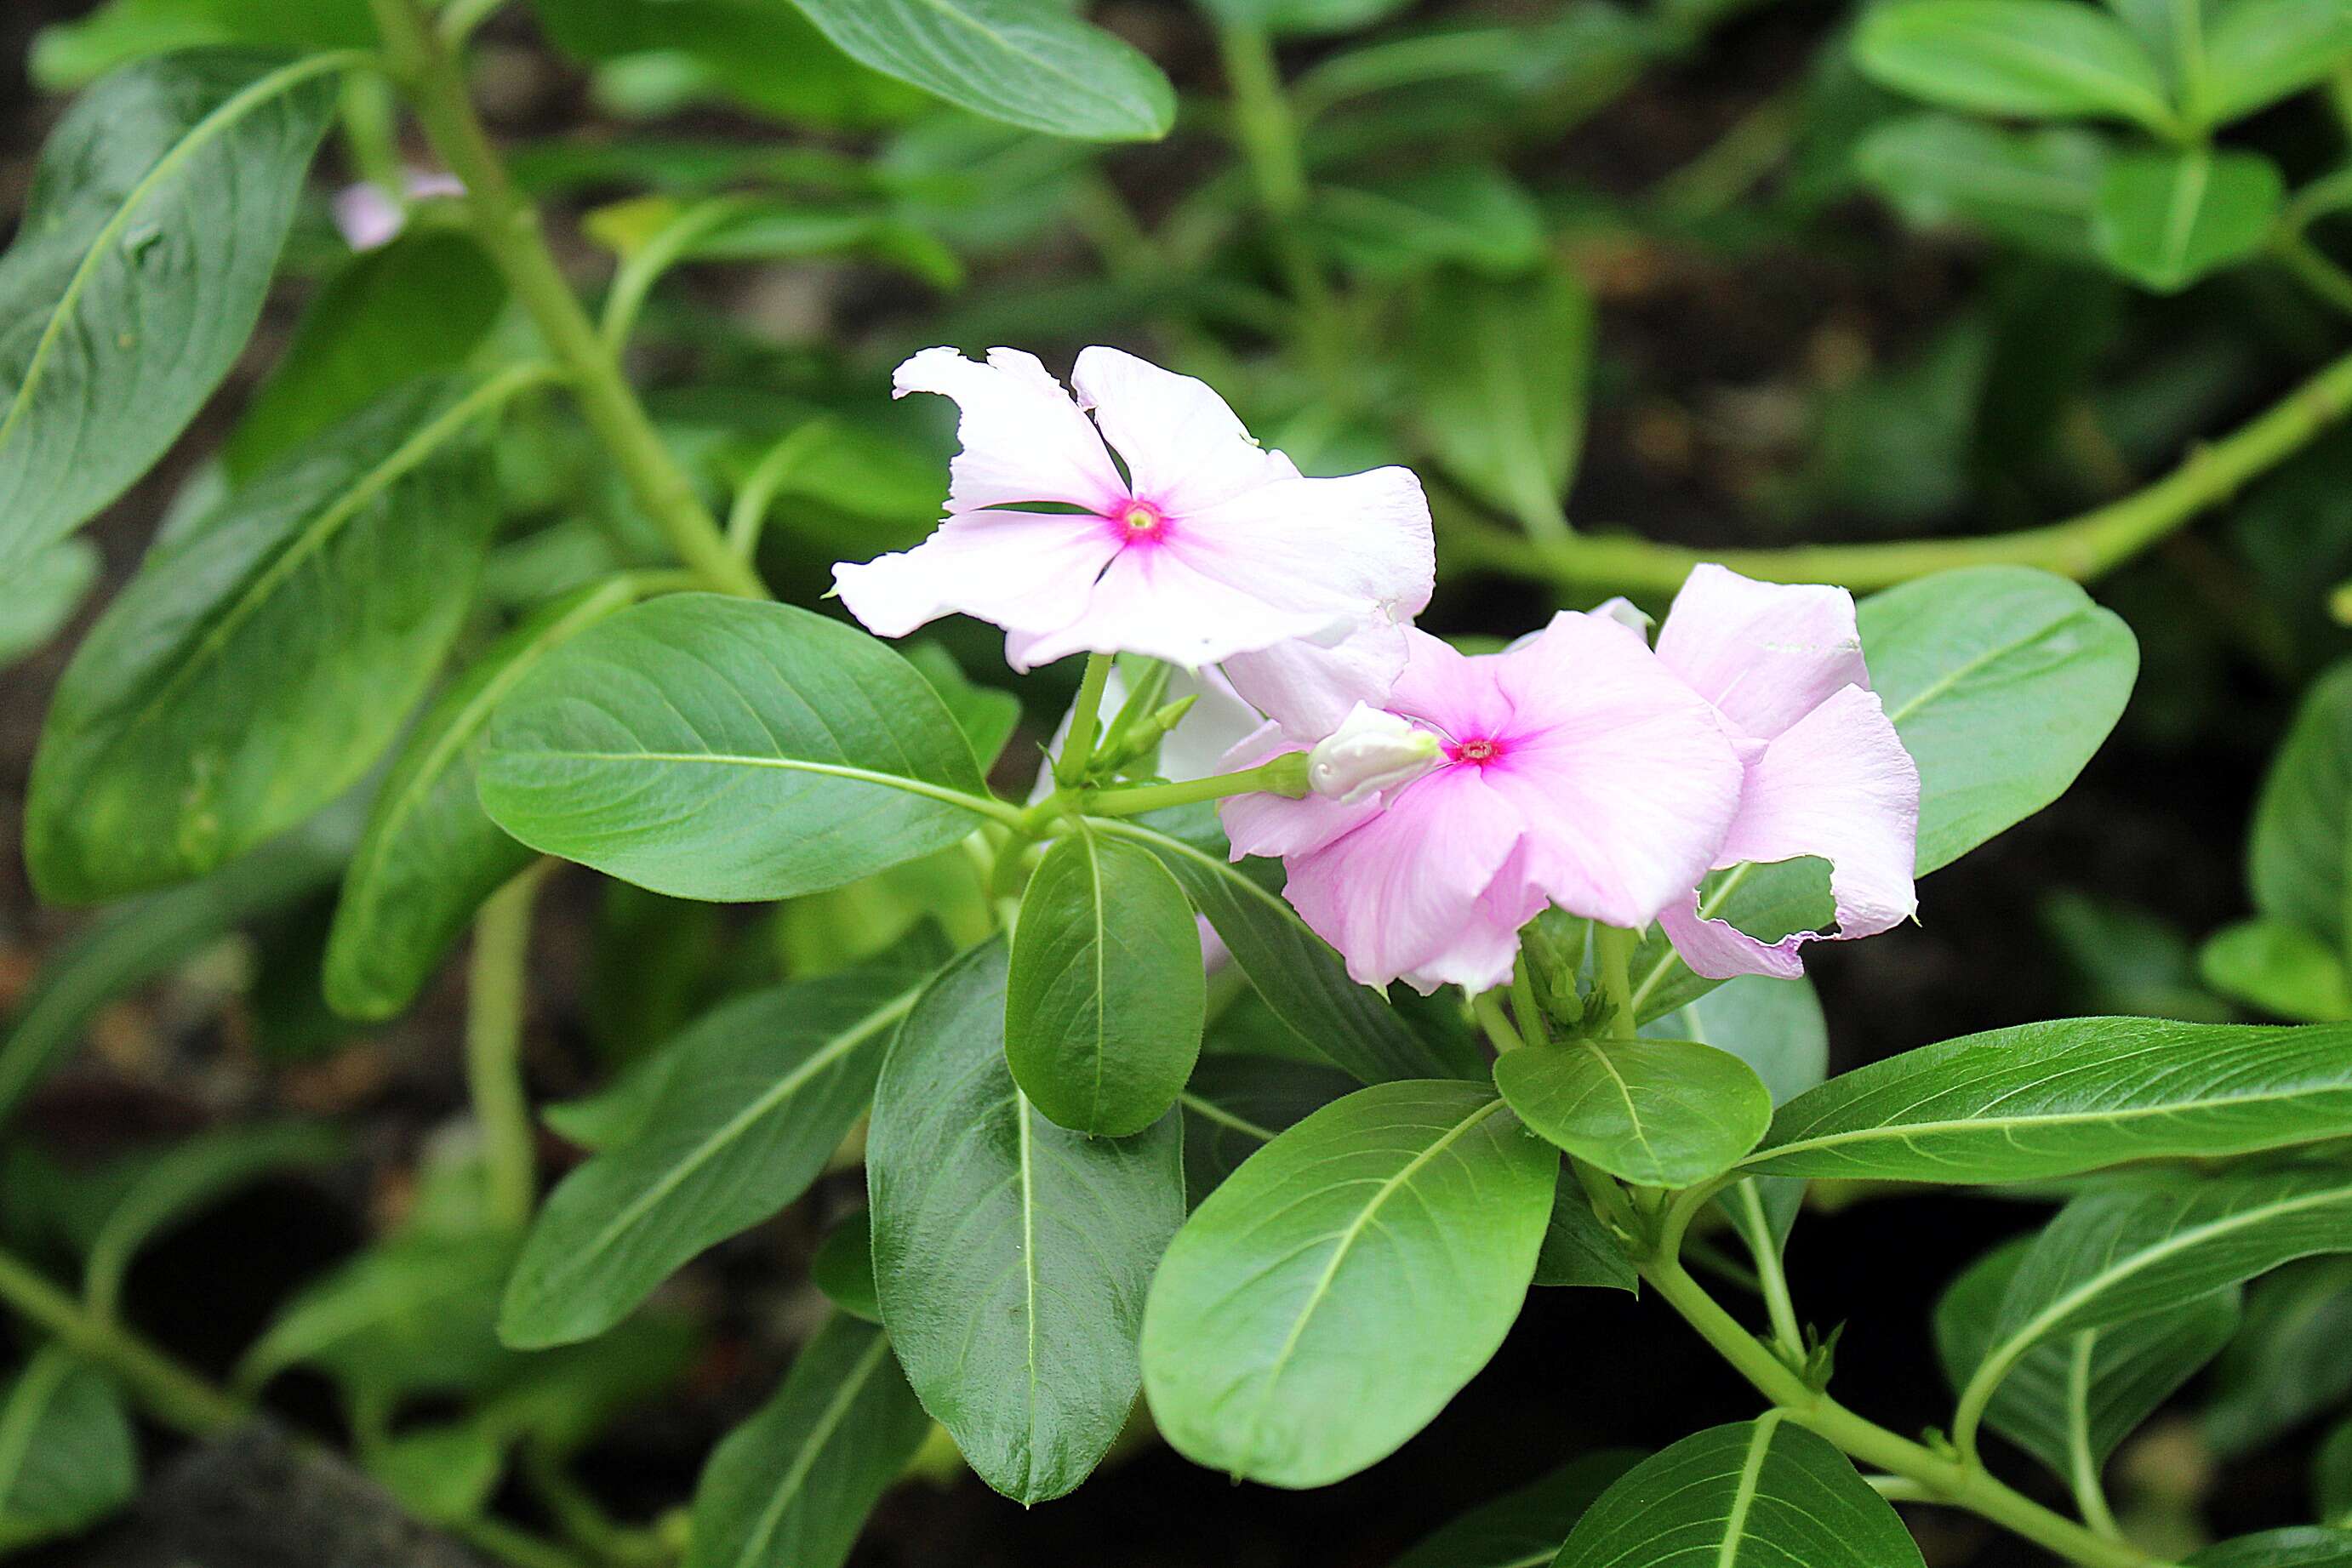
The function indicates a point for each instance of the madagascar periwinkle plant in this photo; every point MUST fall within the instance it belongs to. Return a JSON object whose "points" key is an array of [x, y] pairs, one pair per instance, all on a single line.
{"points": [[1211, 1017]]}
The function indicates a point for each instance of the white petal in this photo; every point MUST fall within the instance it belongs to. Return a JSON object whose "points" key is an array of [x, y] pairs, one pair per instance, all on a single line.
{"points": [[1184, 447], [1017, 570], [1765, 654], [1024, 440]]}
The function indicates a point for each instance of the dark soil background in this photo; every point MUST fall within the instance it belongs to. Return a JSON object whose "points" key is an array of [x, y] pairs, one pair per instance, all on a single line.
{"points": [[2157, 823]]}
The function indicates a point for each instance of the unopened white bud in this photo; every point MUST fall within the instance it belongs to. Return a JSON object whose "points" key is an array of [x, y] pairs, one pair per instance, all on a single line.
{"points": [[1371, 751]]}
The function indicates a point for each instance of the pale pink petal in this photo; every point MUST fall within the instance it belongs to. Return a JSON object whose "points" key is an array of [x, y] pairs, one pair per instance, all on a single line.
{"points": [[1024, 440], [1765, 654], [1621, 772], [1361, 544], [1150, 601], [1310, 689], [1481, 951], [1395, 895], [1016, 569], [1448, 690], [1837, 784], [1275, 825], [365, 217], [1183, 449]]}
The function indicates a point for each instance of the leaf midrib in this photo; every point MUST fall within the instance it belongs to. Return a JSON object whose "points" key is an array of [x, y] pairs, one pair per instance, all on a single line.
{"points": [[941, 793], [1743, 1495], [821, 1432]]}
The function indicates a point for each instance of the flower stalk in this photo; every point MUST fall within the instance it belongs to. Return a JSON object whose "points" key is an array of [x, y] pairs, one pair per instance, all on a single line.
{"points": [[1286, 774]]}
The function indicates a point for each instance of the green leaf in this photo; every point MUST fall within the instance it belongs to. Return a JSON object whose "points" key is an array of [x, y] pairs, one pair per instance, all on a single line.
{"points": [[1294, 969], [444, 1473], [1107, 994], [1776, 1027], [1011, 1255], [2280, 967], [790, 1487], [138, 271], [1749, 1495], [987, 715], [2037, 59], [413, 1314], [68, 1458], [2331, 1477], [2070, 1402], [264, 655], [2111, 1257], [752, 1100], [2302, 838], [1235, 1106], [2307, 1546], [1302, 15], [714, 749], [44, 596], [2167, 219], [1523, 1529], [1499, 368], [1472, 215], [1291, 1336], [2259, 51], [70, 55], [2287, 1364], [419, 306], [1026, 62], [1578, 1250], [1658, 1113], [843, 1268], [2055, 1099], [2036, 189], [430, 855]]}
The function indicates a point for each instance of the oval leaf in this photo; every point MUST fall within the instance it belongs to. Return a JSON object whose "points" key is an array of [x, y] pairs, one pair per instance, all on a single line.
{"points": [[1103, 1010], [1754, 1494], [264, 655], [715, 749], [2053, 1099], [68, 1458], [1293, 1336], [140, 267], [2033, 59], [2300, 842], [1010, 1254], [2165, 219], [2279, 967], [2303, 1546], [1657, 1112]]}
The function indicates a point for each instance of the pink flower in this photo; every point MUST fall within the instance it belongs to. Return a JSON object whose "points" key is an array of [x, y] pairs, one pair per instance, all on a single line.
{"points": [[1826, 775], [368, 216], [1195, 545], [1576, 771]]}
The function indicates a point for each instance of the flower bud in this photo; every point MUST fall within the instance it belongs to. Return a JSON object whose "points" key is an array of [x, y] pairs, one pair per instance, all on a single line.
{"points": [[1371, 751]]}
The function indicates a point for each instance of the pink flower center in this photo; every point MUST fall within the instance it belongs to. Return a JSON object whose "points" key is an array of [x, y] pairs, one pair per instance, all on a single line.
{"points": [[1478, 753], [1139, 523]]}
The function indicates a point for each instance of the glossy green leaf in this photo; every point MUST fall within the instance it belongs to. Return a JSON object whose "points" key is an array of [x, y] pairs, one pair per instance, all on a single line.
{"points": [[1659, 1112], [264, 655], [1774, 1026], [2076, 1095], [1498, 369], [790, 1487], [69, 55], [44, 595], [752, 1100], [418, 306], [2070, 1402], [146, 246], [1026, 62], [1754, 1494], [2300, 1547], [1301, 978], [843, 1268], [2287, 1364], [2039, 60], [1290, 1338], [2165, 219], [2259, 51], [1578, 1250], [2036, 189], [2279, 967], [1470, 216], [1106, 993], [1523, 1529], [2111, 1257], [715, 749], [430, 855], [1011, 1255], [2301, 842], [1235, 1106], [68, 1458]]}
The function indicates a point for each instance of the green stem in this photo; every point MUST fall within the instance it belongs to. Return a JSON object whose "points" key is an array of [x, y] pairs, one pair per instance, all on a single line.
{"points": [[749, 515], [1771, 1278], [460, 17], [2090, 1496], [1085, 722], [508, 228], [2327, 282], [518, 1547], [666, 247], [1286, 774], [1940, 1476], [2083, 548], [1612, 958], [1488, 1007], [496, 985], [172, 1393], [1524, 1004]]}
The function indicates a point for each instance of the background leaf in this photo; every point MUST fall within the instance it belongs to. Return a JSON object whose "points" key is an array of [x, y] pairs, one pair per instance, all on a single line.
{"points": [[2025, 58], [1523, 1529], [1498, 369], [2036, 189], [44, 595], [2279, 967], [1235, 1106], [68, 1458], [2258, 51], [1658, 1113], [2167, 219], [2302, 836]]}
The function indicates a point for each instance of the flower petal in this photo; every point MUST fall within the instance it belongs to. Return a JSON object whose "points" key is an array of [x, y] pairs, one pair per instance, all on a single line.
{"points": [[1278, 825], [1837, 784], [1184, 447], [1361, 544], [1019, 569], [1765, 654], [1310, 689], [1626, 780], [1396, 895], [1024, 440], [1481, 951], [1150, 601], [1449, 690]]}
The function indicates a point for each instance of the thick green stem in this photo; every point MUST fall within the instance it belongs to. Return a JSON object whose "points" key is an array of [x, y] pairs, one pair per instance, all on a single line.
{"points": [[170, 1392], [1612, 958], [1286, 774], [496, 985], [509, 229], [1086, 721], [2083, 548], [1941, 1477], [1771, 1278]]}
